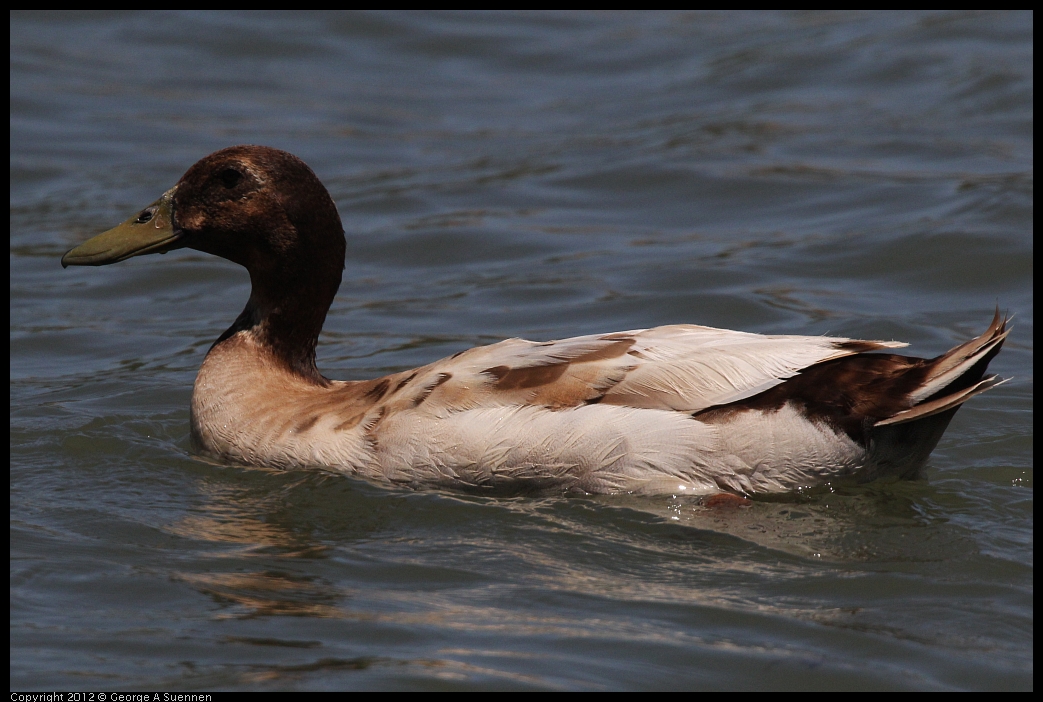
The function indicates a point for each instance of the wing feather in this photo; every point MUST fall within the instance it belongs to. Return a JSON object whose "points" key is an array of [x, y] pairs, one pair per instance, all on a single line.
{"points": [[682, 367]]}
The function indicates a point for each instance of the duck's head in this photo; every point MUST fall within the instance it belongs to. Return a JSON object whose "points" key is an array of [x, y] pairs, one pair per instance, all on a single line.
{"points": [[256, 206], [261, 208]]}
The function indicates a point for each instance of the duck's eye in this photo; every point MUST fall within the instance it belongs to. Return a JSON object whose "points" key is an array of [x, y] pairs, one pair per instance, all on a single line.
{"points": [[229, 177], [146, 215]]}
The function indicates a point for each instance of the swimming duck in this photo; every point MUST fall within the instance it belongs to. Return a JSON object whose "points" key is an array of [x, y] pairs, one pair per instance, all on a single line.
{"points": [[678, 409]]}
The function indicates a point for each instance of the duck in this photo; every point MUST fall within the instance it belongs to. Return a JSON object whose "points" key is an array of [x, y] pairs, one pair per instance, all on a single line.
{"points": [[679, 409]]}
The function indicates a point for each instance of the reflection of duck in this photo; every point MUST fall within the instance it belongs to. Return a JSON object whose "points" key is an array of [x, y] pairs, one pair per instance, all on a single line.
{"points": [[677, 408]]}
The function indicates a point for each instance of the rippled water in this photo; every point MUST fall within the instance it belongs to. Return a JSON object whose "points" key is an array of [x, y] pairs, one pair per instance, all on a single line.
{"points": [[534, 175]]}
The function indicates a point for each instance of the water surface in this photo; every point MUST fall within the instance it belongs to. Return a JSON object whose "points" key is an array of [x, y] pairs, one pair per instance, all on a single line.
{"points": [[541, 176]]}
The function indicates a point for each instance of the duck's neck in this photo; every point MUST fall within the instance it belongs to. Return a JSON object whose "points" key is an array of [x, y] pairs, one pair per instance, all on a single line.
{"points": [[285, 316]]}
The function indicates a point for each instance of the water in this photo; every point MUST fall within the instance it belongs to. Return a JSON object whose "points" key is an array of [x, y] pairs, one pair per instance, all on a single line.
{"points": [[542, 176]]}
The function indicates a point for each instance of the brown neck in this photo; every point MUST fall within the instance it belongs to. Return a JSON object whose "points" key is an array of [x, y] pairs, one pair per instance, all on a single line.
{"points": [[286, 317]]}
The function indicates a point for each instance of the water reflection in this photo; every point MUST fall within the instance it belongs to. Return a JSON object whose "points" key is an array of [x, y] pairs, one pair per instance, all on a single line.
{"points": [[537, 567]]}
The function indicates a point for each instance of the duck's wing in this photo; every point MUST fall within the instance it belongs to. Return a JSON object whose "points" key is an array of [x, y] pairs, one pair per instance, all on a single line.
{"points": [[682, 367]]}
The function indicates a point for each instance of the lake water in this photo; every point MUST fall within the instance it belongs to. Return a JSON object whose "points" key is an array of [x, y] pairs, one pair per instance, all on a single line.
{"points": [[532, 175]]}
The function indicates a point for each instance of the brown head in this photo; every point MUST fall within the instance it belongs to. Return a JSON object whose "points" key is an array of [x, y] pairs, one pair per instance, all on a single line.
{"points": [[264, 209]]}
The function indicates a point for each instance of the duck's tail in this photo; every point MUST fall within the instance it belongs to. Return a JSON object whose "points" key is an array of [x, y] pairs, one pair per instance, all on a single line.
{"points": [[956, 376]]}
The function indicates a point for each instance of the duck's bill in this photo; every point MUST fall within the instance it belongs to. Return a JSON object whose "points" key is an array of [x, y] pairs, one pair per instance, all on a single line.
{"points": [[150, 231]]}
